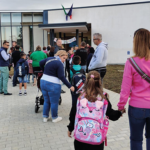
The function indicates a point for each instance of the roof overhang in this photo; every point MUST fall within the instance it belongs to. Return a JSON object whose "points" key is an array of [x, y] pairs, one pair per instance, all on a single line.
{"points": [[66, 27]]}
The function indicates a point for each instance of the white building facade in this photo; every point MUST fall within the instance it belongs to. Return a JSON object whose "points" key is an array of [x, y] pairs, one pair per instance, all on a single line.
{"points": [[116, 23]]}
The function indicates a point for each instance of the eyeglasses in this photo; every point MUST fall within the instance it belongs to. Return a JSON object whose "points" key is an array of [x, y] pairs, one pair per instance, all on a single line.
{"points": [[7, 45], [95, 39]]}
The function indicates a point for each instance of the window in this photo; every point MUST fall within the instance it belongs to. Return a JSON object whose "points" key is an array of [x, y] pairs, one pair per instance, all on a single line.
{"points": [[5, 19], [16, 18], [26, 18]]}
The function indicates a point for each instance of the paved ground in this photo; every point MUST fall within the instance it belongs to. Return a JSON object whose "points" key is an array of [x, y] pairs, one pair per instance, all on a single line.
{"points": [[22, 129]]}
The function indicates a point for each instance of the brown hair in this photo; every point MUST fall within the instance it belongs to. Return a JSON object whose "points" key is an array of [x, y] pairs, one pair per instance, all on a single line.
{"points": [[38, 48], [141, 44], [83, 44], [5, 41], [61, 53], [93, 87], [44, 48]]}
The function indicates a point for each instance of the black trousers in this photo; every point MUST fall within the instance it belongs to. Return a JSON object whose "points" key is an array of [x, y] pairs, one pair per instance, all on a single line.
{"points": [[83, 146], [102, 72]]}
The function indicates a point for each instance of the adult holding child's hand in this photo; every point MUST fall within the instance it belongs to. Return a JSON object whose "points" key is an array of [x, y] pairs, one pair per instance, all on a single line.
{"points": [[50, 84], [136, 84]]}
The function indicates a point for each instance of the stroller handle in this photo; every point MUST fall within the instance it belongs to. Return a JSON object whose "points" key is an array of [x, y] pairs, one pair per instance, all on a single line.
{"points": [[38, 71]]}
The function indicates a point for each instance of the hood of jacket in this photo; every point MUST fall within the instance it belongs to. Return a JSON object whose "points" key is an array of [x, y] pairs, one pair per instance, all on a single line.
{"points": [[104, 44], [21, 60]]}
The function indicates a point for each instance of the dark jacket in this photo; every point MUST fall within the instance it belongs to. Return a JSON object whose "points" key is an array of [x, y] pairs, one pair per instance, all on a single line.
{"points": [[83, 54], [57, 48], [26, 65], [54, 68], [4, 62], [15, 57]]}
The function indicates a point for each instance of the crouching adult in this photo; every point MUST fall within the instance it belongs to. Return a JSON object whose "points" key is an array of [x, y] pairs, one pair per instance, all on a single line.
{"points": [[50, 84]]}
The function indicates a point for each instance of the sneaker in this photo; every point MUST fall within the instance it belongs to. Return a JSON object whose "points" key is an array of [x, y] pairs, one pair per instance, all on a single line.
{"points": [[7, 93], [1, 92], [20, 94], [25, 93], [57, 119], [45, 119]]}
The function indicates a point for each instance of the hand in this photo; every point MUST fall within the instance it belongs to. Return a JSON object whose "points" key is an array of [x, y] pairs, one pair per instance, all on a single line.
{"points": [[72, 89], [123, 111], [69, 134]]}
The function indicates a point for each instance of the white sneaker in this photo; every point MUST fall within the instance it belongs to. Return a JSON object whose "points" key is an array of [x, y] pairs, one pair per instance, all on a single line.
{"points": [[46, 119], [57, 119]]}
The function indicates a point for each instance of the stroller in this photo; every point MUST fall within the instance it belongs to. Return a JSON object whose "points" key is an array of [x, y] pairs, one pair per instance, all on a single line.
{"points": [[39, 100]]}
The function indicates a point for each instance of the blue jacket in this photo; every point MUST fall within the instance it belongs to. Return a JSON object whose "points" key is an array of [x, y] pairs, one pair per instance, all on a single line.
{"points": [[55, 69], [4, 57], [26, 65]]}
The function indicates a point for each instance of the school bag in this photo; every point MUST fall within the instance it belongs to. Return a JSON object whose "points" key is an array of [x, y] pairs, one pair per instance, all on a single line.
{"points": [[78, 80], [91, 123], [20, 69]]}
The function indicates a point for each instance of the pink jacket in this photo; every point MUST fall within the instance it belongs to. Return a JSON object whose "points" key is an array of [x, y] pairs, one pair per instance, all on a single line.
{"points": [[135, 86], [30, 66]]}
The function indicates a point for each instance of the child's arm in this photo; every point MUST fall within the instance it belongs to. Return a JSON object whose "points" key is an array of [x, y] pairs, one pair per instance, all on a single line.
{"points": [[113, 114]]}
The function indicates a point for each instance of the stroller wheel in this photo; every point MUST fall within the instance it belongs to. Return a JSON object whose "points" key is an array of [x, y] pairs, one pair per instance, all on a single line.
{"points": [[36, 108], [60, 100]]}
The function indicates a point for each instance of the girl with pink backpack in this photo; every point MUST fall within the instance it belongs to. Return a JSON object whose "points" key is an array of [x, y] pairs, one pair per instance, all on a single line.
{"points": [[88, 118]]}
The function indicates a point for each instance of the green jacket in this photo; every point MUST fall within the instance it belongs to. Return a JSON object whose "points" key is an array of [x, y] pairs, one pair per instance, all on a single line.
{"points": [[76, 68], [37, 56]]}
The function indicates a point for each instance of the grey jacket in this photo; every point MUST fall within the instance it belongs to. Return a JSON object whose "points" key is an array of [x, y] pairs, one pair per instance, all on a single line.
{"points": [[99, 58]]}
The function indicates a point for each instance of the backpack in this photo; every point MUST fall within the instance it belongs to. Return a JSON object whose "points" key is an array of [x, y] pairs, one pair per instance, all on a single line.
{"points": [[78, 80], [91, 123], [20, 68]]}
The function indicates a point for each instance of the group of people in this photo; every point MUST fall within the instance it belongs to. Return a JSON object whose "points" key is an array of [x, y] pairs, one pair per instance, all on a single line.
{"points": [[91, 106]]}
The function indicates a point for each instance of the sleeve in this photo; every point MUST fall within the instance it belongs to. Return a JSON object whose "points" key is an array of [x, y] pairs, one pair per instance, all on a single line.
{"points": [[42, 64], [99, 58], [126, 85], [31, 56], [113, 114], [27, 67], [72, 116], [71, 75], [61, 75], [5, 55], [45, 56]]}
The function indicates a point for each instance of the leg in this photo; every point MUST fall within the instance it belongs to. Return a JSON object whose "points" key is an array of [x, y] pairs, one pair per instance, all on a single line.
{"points": [[54, 100], [15, 78], [147, 133], [5, 79], [1, 80], [46, 107], [20, 86], [25, 86], [137, 123]]}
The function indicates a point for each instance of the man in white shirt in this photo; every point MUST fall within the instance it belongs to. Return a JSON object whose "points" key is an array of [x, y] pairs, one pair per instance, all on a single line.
{"points": [[99, 59]]}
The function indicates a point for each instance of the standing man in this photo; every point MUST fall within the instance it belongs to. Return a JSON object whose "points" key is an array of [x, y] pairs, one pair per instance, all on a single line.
{"points": [[99, 59], [82, 52], [14, 43], [4, 72], [15, 59], [58, 46]]}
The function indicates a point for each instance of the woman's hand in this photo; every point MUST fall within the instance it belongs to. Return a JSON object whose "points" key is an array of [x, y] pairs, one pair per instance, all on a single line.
{"points": [[72, 89], [123, 111], [69, 134]]}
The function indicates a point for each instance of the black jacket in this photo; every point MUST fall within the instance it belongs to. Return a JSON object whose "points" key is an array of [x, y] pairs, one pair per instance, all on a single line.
{"points": [[15, 57], [112, 114], [83, 54]]}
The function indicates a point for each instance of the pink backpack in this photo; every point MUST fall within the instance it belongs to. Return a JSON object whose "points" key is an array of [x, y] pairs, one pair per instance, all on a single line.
{"points": [[91, 123]]}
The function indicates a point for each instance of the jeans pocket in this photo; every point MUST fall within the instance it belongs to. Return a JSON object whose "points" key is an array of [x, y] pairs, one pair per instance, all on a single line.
{"points": [[137, 113]]}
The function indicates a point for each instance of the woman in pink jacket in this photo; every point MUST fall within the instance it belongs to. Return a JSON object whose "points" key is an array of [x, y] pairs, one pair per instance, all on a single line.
{"points": [[138, 89]]}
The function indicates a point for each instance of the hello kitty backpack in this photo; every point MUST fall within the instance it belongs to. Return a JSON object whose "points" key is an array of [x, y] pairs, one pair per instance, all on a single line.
{"points": [[91, 123]]}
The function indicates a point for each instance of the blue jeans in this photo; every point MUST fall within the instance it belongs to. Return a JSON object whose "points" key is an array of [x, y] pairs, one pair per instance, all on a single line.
{"points": [[51, 93], [84, 68], [138, 119], [15, 77]]}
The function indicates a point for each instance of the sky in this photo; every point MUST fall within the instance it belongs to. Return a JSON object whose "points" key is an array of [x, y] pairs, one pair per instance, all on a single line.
{"points": [[40, 5]]}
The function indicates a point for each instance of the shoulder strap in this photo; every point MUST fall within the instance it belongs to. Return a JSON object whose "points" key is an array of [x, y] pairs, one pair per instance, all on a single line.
{"points": [[138, 69], [49, 61], [74, 71]]}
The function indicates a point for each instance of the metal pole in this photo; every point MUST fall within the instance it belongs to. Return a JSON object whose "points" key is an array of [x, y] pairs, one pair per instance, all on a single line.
{"points": [[77, 36]]}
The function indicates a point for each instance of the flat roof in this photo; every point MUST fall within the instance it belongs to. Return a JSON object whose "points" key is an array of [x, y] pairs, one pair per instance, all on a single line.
{"points": [[66, 27]]}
